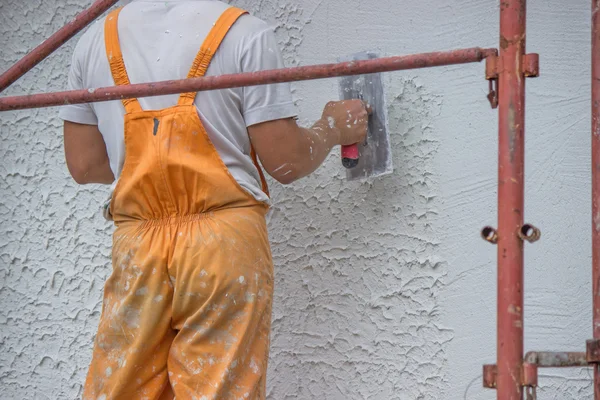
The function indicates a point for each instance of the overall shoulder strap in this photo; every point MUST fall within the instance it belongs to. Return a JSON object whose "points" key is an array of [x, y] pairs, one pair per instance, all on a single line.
{"points": [[209, 48], [202, 61], [115, 58]]}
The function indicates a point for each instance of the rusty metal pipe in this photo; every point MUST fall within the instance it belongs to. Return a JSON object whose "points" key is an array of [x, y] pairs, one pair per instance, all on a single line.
{"points": [[397, 63], [596, 182], [511, 155], [65, 33], [552, 359]]}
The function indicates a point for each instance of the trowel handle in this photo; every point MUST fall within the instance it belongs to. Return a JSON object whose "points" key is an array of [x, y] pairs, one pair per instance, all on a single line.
{"points": [[350, 156]]}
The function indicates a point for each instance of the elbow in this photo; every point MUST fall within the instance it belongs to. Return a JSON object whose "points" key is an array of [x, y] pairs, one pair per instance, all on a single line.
{"points": [[286, 176], [80, 178], [289, 169], [287, 180], [79, 172]]}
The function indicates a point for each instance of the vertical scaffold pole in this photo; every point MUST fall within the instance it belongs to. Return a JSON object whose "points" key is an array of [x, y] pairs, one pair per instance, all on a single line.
{"points": [[511, 156]]}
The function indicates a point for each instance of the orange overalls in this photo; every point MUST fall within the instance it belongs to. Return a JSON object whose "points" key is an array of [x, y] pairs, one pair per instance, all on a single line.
{"points": [[187, 309]]}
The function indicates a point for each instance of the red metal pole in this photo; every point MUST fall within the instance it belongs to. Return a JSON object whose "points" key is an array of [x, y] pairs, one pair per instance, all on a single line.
{"points": [[596, 182], [511, 115], [414, 61], [54, 42]]}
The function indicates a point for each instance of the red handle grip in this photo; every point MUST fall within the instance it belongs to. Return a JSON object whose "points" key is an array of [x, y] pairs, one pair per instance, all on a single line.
{"points": [[350, 156]]}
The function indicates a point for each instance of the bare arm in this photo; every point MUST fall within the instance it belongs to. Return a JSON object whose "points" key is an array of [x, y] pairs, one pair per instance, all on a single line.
{"points": [[289, 152], [85, 152]]}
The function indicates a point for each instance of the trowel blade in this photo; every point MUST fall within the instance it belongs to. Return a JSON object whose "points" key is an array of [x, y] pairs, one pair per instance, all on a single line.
{"points": [[376, 153]]}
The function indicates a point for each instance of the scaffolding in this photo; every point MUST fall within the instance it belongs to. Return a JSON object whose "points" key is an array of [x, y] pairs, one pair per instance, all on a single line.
{"points": [[514, 373]]}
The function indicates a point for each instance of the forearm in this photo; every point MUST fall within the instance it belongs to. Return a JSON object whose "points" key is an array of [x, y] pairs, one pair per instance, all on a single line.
{"points": [[289, 152], [312, 148]]}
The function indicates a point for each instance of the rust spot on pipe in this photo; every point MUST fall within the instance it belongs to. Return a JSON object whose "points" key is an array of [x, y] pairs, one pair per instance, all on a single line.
{"points": [[489, 53], [515, 41]]}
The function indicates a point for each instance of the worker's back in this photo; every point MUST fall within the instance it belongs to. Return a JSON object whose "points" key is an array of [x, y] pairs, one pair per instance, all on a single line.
{"points": [[159, 41]]}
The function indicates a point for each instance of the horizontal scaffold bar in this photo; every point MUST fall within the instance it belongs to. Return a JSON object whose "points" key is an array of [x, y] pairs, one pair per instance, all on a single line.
{"points": [[386, 64]]}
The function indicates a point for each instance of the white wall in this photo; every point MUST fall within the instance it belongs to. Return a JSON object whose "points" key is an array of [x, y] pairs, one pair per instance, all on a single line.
{"points": [[384, 290]]}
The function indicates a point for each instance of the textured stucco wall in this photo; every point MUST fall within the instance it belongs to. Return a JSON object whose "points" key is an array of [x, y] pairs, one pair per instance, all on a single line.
{"points": [[384, 290]]}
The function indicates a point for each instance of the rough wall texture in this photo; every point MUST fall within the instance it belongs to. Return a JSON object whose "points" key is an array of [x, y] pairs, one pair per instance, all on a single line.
{"points": [[384, 290]]}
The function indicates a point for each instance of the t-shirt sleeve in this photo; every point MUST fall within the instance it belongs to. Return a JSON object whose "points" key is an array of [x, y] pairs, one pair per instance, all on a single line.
{"points": [[78, 113], [266, 102]]}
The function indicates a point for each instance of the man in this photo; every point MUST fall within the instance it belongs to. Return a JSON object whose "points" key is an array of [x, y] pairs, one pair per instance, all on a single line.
{"points": [[187, 309]]}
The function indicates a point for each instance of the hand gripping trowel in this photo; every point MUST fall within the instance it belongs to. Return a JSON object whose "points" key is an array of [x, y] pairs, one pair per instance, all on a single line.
{"points": [[373, 157]]}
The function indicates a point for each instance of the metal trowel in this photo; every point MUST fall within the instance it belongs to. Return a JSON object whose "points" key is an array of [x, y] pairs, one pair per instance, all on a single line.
{"points": [[371, 158]]}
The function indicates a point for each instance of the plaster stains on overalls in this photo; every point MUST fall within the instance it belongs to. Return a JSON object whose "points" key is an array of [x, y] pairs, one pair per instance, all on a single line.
{"points": [[187, 309]]}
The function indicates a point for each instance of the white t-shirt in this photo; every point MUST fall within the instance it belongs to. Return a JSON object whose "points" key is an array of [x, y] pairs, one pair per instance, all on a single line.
{"points": [[159, 40]]}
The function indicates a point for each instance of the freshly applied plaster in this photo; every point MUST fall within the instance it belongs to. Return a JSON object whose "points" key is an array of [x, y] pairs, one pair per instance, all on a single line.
{"points": [[384, 289]]}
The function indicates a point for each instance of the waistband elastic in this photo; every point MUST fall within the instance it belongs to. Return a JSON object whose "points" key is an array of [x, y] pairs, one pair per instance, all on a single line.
{"points": [[172, 220], [182, 219]]}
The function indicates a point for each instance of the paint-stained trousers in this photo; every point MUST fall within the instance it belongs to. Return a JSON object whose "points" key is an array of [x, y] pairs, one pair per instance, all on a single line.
{"points": [[187, 310]]}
